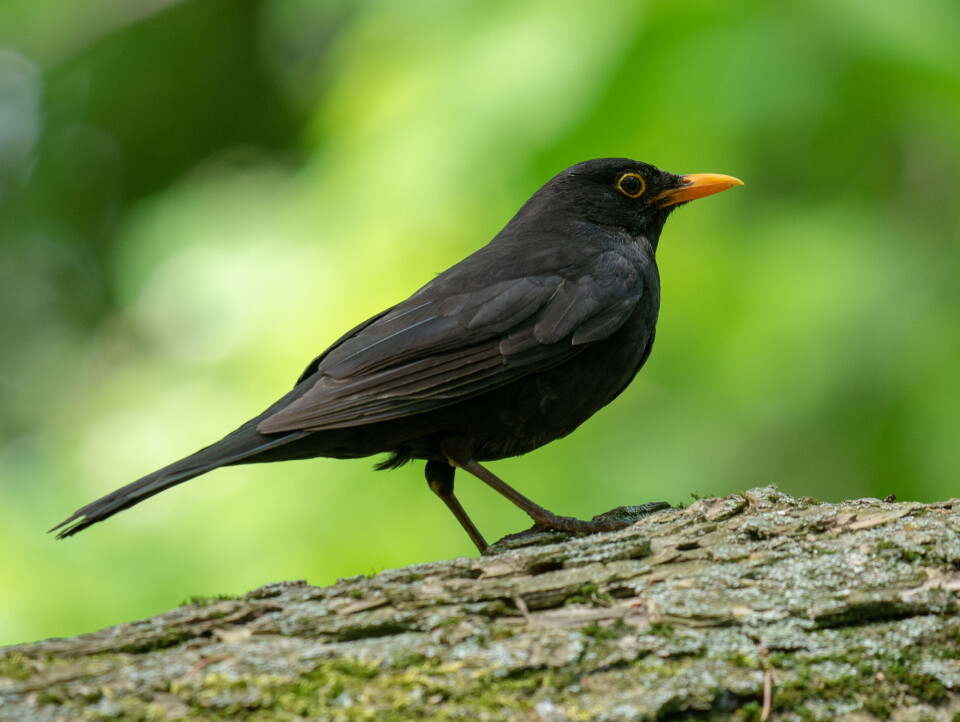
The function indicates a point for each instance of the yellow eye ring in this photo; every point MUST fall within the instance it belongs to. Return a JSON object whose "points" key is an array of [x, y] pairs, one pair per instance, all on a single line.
{"points": [[631, 185]]}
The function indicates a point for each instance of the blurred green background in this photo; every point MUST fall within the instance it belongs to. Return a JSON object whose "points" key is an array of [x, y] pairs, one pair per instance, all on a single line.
{"points": [[197, 197]]}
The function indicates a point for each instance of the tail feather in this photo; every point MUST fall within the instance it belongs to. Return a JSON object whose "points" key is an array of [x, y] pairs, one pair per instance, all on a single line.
{"points": [[243, 443]]}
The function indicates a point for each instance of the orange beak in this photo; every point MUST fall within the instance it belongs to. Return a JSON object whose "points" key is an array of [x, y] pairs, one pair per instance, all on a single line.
{"points": [[696, 185]]}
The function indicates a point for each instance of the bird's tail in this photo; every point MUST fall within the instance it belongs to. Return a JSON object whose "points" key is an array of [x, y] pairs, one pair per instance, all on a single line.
{"points": [[236, 447]]}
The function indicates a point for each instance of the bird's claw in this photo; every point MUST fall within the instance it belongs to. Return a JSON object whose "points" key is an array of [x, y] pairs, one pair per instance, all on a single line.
{"points": [[577, 526]]}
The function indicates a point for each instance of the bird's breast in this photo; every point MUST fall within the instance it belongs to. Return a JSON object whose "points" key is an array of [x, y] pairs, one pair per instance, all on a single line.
{"points": [[549, 404]]}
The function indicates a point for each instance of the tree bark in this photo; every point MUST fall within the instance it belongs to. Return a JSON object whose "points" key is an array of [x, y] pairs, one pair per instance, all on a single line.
{"points": [[842, 611]]}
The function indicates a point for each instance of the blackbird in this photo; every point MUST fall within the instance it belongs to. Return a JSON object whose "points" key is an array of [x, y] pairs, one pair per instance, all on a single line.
{"points": [[513, 347]]}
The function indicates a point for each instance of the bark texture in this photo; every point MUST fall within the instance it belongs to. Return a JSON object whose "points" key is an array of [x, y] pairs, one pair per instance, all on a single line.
{"points": [[844, 611]]}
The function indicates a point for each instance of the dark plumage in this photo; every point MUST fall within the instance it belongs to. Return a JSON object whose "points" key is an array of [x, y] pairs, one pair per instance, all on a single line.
{"points": [[513, 347]]}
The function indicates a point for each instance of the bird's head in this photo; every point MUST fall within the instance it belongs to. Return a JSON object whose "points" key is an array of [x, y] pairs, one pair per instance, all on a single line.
{"points": [[625, 194]]}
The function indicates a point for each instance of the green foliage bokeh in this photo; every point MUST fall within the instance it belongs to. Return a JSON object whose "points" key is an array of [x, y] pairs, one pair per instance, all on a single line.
{"points": [[197, 197]]}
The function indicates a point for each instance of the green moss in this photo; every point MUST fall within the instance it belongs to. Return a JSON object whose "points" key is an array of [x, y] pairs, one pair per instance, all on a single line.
{"points": [[358, 669], [878, 683], [583, 594], [361, 690], [743, 660], [910, 556], [410, 659], [498, 632], [878, 705], [662, 629], [795, 696], [205, 601], [16, 667], [50, 696], [610, 630], [951, 633]]}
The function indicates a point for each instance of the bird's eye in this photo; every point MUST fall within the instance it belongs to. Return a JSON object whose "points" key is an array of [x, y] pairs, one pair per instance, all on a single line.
{"points": [[631, 185]]}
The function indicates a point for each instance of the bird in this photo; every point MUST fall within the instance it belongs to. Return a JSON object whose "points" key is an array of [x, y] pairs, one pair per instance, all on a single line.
{"points": [[511, 348]]}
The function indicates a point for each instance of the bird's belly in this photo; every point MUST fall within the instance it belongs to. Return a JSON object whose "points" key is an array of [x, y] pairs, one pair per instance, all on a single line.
{"points": [[545, 406], [508, 421]]}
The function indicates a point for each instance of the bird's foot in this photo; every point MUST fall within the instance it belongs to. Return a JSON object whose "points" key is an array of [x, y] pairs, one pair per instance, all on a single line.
{"points": [[619, 518], [551, 529], [552, 522], [545, 531]]}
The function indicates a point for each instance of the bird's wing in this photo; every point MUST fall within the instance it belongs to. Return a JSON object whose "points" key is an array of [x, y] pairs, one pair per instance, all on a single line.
{"points": [[438, 348]]}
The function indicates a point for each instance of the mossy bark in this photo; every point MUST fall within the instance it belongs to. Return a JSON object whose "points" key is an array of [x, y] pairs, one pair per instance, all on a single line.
{"points": [[849, 611]]}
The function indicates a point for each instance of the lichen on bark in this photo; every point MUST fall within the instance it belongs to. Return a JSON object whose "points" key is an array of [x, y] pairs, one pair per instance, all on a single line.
{"points": [[848, 610]]}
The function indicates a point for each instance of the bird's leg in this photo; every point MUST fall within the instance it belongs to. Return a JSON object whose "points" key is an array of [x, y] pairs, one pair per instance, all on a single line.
{"points": [[440, 479], [542, 518]]}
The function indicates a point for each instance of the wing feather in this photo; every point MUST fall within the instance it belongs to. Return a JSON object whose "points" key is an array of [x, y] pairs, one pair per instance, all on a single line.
{"points": [[439, 348]]}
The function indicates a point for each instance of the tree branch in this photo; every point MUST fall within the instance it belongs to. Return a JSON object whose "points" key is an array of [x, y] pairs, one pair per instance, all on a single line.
{"points": [[844, 608]]}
